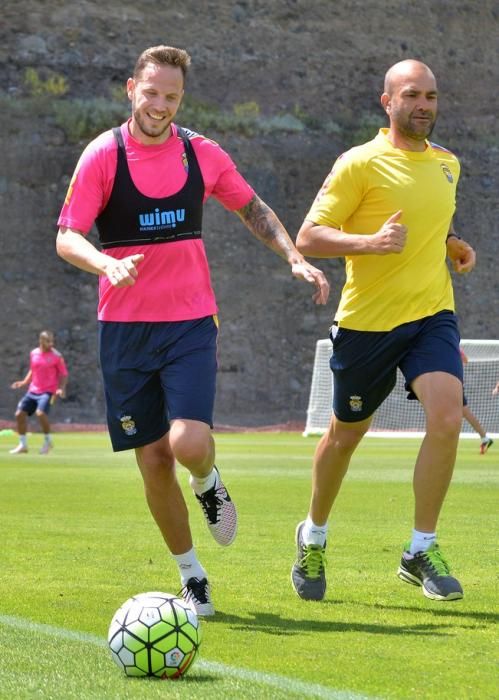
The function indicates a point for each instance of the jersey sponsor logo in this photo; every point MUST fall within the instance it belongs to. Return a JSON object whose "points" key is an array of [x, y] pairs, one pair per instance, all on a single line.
{"points": [[128, 425], [446, 171], [157, 220], [355, 403]]}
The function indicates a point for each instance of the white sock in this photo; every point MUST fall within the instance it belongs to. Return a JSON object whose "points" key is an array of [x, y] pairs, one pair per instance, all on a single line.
{"points": [[421, 541], [205, 483], [189, 566], [23, 440], [314, 534], [485, 438], [48, 438]]}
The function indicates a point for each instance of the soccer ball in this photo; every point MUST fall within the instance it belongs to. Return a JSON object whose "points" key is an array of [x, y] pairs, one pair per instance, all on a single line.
{"points": [[154, 634]]}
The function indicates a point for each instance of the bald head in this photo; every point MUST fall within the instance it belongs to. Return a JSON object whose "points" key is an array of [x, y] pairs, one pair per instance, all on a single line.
{"points": [[410, 100], [405, 71]]}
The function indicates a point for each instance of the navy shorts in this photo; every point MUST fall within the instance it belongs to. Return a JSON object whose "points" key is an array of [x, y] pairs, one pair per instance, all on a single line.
{"points": [[364, 363], [35, 402], [154, 373]]}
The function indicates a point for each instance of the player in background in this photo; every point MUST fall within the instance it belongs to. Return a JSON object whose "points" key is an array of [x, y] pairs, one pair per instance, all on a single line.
{"points": [[495, 390], [144, 184], [485, 440], [47, 379], [387, 207]]}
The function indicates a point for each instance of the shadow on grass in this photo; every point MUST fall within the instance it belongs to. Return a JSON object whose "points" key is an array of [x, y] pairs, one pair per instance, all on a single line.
{"points": [[277, 625], [448, 610], [193, 676]]}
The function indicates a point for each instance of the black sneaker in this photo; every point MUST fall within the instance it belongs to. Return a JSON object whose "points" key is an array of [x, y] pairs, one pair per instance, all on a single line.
{"points": [[430, 570], [307, 575], [196, 594], [219, 512]]}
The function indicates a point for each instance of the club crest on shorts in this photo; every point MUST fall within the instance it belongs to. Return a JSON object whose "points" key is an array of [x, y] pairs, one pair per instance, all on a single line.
{"points": [[128, 425], [355, 403]]}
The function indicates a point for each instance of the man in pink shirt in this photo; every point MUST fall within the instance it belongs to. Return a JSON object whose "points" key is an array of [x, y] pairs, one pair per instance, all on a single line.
{"points": [[47, 378], [144, 184]]}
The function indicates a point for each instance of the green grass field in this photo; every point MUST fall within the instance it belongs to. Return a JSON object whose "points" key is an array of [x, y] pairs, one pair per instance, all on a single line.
{"points": [[78, 540]]}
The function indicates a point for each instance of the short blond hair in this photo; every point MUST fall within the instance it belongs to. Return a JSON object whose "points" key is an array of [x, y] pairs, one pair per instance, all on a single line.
{"points": [[163, 56]]}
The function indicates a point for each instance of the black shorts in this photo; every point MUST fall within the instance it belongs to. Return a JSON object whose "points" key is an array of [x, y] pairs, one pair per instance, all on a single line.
{"points": [[154, 373], [364, 363]]}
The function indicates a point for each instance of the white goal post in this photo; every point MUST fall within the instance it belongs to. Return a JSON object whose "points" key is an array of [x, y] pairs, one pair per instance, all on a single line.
{"points": [[399, 417]]}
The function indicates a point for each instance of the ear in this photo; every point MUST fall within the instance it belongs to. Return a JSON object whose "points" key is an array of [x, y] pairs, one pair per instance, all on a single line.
{"points": [[130, 85], [386, 102]]}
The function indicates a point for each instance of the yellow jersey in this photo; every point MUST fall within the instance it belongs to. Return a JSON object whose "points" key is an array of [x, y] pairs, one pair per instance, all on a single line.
{"points": [[366, 186]]}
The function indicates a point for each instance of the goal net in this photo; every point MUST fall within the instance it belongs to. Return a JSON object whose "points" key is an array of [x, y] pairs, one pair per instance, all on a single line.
{"points": [[397, 415]]}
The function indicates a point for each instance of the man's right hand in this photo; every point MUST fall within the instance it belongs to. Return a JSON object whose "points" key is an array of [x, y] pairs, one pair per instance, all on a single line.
{"points": [[391, 237], [123, 273]]}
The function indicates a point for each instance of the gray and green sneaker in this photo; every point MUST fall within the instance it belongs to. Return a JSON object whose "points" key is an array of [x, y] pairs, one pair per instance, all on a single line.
{"points": [[307, 575], [430, 570]]}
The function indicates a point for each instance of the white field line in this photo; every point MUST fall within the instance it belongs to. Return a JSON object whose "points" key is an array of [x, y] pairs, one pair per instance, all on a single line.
{"points": [[309, 690]]}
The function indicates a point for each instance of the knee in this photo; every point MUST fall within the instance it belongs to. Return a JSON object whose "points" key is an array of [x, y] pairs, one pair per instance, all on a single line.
{"points": [[158, 474], [156, 461], [192, 451], [345, 440], [445, 423], [192, 443]]}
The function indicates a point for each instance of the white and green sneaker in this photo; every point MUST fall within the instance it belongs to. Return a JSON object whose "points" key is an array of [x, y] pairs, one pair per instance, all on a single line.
{"points": [[308, 575]]}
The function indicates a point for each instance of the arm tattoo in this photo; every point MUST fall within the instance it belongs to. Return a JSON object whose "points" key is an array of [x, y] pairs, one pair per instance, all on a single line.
{"points": [[259, 218]]}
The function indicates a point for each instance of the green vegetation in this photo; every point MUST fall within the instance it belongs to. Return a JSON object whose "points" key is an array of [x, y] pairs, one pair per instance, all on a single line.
{"points": [[81, 119], [366, 128], [245, 118], [54, 85], [77, 540]]}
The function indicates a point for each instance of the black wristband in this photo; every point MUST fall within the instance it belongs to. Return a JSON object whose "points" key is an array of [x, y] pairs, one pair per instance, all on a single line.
{"points": [[453, 235]]}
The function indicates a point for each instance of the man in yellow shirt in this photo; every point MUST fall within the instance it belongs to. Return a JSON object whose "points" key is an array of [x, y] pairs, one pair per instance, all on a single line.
{"points": [[387, 208]]}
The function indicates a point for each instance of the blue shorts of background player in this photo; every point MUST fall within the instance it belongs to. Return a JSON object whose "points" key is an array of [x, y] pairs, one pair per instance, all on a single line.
{"points": [[154, 373], [35, 402], [364, 363]]}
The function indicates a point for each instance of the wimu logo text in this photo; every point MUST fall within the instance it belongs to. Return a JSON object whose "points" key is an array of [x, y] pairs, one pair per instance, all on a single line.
{"points": [[157, 219]]}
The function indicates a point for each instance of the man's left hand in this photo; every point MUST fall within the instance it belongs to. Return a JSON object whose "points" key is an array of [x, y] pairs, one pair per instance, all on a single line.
{"points": [[309, 273], [461, 255]]}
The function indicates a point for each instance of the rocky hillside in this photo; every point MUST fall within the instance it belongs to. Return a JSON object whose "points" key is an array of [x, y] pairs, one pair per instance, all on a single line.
{"points": [[284, 86]]}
